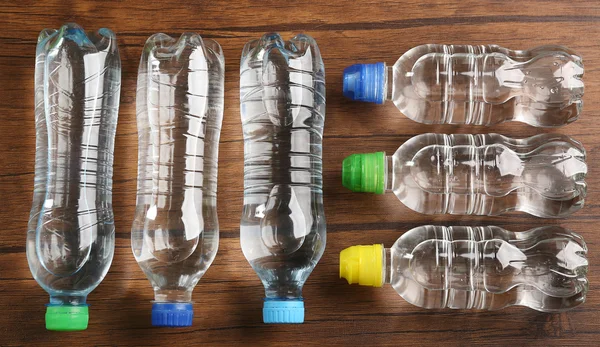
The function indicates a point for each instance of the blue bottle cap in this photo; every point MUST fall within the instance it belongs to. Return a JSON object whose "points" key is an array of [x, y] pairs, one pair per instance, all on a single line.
{"points": [[172, 314], [365, 82], [283, 311]]}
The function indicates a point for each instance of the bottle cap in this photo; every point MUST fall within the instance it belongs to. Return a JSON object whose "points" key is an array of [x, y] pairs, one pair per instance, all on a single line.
{"points": [[283, 311], [172, 314], [364, 172], [67, 317], [365, 82], [362, 265]]}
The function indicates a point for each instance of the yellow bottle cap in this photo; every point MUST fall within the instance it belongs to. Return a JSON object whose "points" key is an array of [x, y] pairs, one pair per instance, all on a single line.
{"points": [[362, 265]]}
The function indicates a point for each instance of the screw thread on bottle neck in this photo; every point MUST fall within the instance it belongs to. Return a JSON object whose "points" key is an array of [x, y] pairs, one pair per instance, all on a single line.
{"points": [[172, 295], [74, 300], [388, 83], [388, 176], [387, 266]]}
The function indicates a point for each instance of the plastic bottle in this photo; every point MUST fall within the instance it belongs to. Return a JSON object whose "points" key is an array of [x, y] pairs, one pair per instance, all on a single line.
{"points": [[482, 85], [282, 231], [484, 268], [71, 231], [543, 175], [175, 233]]}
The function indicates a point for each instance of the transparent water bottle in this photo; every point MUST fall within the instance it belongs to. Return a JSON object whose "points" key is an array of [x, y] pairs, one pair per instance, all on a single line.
{"points": [[543, 175], [175, 233], [71, 231], [482, 268], [282, 231], [481, 85]]}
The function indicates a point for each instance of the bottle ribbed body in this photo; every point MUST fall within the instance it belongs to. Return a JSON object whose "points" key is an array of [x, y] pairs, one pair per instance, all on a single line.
{"points": [[70, 238], [490, 174], [489, 268], [175, 233], [282, 100], [488, 84]]}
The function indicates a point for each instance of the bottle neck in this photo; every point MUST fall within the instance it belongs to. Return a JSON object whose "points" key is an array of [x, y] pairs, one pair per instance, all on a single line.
{"points": [[387, 266], [172, 295], [283, 290], [388, 86], [388, 177], [60, 300]]}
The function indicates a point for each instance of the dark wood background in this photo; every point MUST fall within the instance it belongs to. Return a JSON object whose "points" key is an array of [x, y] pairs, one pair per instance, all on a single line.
{"points": [[228, 300]]}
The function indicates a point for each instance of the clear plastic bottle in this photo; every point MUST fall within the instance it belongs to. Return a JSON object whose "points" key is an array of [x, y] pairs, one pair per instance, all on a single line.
{"points": [[175, 233], [481, 85], [71, 231], [483, 268], [282, 231], [543, 175]]}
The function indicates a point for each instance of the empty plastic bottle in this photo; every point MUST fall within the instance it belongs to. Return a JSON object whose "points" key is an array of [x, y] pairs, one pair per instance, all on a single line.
{"points": [[175, 233], [543, 175], [483, 268], [481, 85], [282, 231], [71, 231]]}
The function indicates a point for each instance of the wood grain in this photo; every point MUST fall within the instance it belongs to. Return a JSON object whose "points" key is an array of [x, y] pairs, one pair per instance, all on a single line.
{"points": [[228, 299]]}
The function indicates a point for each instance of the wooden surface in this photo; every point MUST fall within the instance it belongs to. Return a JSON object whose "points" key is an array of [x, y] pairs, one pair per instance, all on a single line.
{"points": [[228, 300]]}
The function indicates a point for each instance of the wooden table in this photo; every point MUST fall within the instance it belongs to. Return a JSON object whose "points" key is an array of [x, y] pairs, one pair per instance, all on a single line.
{"points": [[228, 300]]}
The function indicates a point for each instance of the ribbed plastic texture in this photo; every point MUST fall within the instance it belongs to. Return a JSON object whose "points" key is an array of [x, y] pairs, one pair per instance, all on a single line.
{"points": [[282, 101], [489, 268], [481, 85], [172, 314], [283, 311], [490, 174], [71, 231], [175, 232]]}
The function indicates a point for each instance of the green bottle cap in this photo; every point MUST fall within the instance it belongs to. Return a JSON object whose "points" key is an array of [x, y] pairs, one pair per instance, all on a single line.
{"points": [[364, 172], [67, 318]]}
